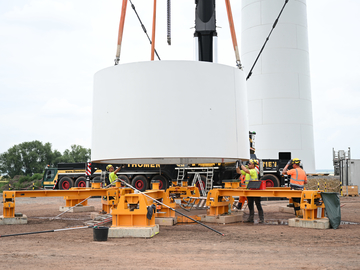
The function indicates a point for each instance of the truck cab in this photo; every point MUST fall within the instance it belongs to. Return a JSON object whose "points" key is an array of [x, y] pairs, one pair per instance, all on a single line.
{"points": [[50, 177]]}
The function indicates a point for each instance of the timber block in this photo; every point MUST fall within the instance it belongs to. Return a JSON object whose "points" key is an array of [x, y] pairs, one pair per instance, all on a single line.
{"points": [[13, 221], [145, 232], [166, 221], [234, 217], [322, 223], [285, 209], [77, 209]]}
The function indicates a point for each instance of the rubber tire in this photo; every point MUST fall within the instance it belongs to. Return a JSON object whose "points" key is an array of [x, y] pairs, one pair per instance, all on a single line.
{"points": [[66, 183], [125, 178], [80, 182], [140, 182], [271, 180], [163, 181]]}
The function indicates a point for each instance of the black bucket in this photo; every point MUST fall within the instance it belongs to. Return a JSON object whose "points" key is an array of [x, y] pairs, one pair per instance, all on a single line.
{"points": [[100, 233]]}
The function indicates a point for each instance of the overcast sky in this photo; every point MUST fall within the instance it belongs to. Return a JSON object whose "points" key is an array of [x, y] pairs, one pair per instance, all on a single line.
{"points": [[50, 50]]}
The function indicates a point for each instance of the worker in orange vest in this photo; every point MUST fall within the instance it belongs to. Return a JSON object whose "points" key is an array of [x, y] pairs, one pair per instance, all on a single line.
{"points": [[298, 179], [297, 175]]}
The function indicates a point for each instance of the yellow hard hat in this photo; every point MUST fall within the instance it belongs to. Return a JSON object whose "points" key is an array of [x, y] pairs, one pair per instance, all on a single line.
{"points": [[254, 161], [295, 161], [108, 167]]}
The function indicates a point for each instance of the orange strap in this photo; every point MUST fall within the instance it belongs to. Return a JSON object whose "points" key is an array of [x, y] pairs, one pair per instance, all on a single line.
{"points": [[232, 31], [121, 28], [153, 33]]}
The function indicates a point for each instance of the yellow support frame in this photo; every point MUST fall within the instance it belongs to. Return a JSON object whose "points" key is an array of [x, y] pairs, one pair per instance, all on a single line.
{"points": [[130, 209], [310, 201], [72, 197], [218, 204], [184, 191], [133, 208]]}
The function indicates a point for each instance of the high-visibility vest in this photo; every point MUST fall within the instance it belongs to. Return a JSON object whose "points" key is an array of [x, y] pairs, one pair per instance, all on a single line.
{"points": [[112, 177], [297, 177], [252, 176]]}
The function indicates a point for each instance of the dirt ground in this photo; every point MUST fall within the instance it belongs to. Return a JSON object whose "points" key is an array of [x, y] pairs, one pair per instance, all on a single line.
{"points": [[183, 246]]}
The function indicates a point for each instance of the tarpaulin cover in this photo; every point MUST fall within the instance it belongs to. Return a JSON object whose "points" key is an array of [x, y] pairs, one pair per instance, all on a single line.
{"points": [[332, 208]]}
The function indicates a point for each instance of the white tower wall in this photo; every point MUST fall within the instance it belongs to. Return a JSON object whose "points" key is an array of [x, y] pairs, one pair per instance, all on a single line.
{"points": [[169, 112], [279, 92]]}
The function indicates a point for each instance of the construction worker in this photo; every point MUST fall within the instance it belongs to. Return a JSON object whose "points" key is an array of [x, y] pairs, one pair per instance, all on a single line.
{"points": [[251, 174], [112, 173], [297, 175], [298, 179]]}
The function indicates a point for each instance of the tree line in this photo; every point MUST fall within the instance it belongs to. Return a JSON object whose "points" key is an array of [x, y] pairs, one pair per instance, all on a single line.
{"points": [[28, 158]]}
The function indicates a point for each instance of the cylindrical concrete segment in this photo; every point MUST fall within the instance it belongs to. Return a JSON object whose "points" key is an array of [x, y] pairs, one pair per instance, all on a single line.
{"points": [[279, 92], [169, 112]]}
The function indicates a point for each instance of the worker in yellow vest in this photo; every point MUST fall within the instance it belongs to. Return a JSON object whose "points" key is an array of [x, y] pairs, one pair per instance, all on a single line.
{"points": [[251, 174], [112, 173]]}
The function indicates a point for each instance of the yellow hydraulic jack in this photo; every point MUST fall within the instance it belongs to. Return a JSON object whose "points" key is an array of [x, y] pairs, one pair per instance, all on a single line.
{"points": [[181, 191], [9, 204], [111, 199], [138, 210], [188, 195], [235, 184], [312, 205], [232, 183], [218, 204]]}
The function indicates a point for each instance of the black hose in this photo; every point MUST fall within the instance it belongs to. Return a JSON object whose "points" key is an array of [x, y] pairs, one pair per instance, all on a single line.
{"points": [[58, 230], [16, 234], [67, 229]]}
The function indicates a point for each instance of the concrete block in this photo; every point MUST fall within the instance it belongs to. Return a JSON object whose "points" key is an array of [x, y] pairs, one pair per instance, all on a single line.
{"points": [[234, 217], [145, 232], [13, 221], [77, 209], [93, 215], [322, 223], [166, 221], [285, 209]]}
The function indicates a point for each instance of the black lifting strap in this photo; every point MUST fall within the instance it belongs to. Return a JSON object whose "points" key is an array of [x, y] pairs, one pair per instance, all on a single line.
{"points": [[143, 27], [150, 211], [267, 39]]}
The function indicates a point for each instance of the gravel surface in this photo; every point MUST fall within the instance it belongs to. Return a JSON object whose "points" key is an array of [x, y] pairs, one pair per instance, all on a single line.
{"points": [[183, 246]]}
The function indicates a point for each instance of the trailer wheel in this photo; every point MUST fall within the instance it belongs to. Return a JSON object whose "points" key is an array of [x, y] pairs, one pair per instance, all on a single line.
{"points": [[140, 182], [66, 183], [271, 180], [80, 182], [163, 181], [124, 178]]}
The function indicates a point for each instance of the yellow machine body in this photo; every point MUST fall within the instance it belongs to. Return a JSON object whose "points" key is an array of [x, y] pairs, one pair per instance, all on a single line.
{"points": [[312, 205]]}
